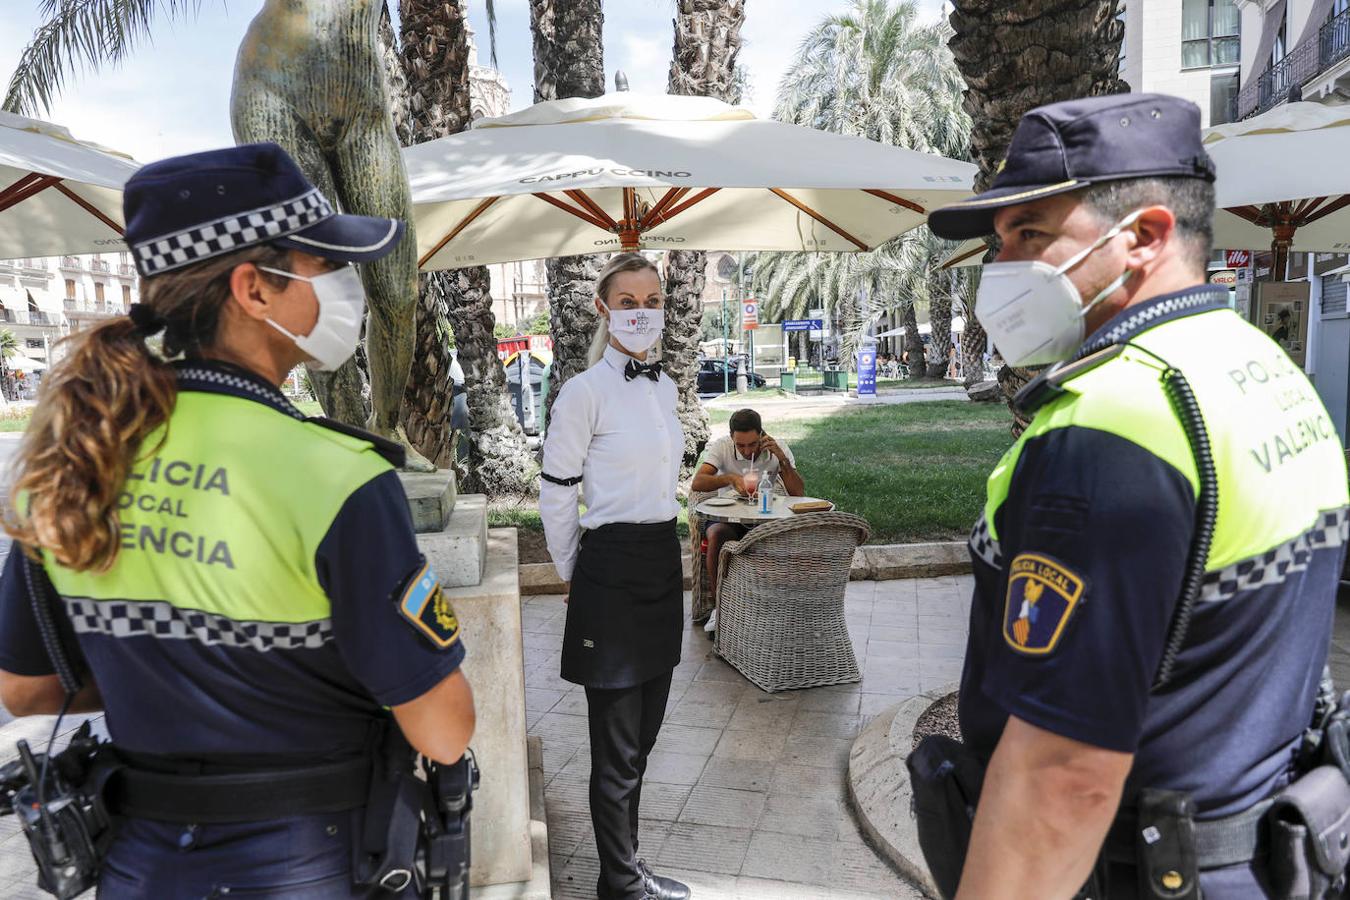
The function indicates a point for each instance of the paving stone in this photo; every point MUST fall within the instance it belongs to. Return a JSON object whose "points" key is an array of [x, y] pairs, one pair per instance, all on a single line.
{"points": [[704, 848], [542, 699], [817, 751], [941, 650], [766, 714], [676, 738], [723, 806], [833, 702], [765, 746], [565, 728], [789, 857], [675, 768], [662, 802], [701, 713], [807, 781], [719, 671], [823, 724], [805, 816], [889, 651], [897, 633], [738, 774]]}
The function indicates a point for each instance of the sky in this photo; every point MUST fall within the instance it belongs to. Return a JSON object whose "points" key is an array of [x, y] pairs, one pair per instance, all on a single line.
{"points": [[172, 95]]}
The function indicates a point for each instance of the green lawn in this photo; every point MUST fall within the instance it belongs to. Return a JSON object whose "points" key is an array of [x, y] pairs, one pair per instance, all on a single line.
{"points": [[916, 471]]}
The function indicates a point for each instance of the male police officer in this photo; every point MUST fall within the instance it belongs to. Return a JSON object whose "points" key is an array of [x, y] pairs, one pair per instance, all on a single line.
{"points": [[1104, 208]]}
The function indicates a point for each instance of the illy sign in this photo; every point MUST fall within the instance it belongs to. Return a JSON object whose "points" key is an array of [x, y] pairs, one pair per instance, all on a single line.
{"points": [[1237, 259]]}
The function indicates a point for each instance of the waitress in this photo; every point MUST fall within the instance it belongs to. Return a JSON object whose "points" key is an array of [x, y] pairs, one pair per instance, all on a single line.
{"points": [[614, 431]]}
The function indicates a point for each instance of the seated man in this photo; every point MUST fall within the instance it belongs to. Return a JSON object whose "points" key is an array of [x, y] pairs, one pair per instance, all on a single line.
{"points": [[728, 463]]}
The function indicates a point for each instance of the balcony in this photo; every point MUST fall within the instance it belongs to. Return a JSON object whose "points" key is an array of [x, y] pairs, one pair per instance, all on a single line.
{"points": [[1306, 62], [71, 262], [29, 317], [126, 270], [98, 265]]}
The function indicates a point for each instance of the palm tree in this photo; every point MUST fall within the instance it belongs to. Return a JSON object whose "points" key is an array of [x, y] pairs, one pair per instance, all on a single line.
{"points": [[9, 346], [569, 61], [1015, 57], [703, 63], [435, 60], [874, 71]]}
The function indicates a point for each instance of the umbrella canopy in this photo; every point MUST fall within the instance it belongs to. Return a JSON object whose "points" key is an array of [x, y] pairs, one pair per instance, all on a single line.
{"points": [[57, 195], [1282, 180], [958, 325], [20, 363], [967, 253], [628, 171]]}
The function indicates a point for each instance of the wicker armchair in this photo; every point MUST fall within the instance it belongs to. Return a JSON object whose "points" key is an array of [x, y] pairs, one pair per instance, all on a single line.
{"points": [[702, 599], [780, 617]]}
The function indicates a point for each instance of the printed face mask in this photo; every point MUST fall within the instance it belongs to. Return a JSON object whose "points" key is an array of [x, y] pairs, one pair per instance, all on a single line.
{"points": [[637, 329], [342, 306]]}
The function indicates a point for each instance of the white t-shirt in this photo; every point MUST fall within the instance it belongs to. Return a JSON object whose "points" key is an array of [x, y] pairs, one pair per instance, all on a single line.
{"points": [[723, 456]]}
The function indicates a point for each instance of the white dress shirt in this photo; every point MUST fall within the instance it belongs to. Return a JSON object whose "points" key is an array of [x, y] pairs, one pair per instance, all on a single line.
{"points": [[623, 439], [723, 456]]}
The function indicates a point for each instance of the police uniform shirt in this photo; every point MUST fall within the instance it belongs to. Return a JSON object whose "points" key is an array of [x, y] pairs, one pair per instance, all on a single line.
{"points": [[233, 663], [621, 440], [1079, 561], [723, 456]]}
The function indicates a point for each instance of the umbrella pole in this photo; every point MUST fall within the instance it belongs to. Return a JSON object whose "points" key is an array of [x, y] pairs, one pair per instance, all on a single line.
{"points": [[1279, 250]]}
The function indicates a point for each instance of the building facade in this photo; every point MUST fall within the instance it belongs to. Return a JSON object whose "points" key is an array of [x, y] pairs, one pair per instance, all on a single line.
{"points": [[1187, 48]]}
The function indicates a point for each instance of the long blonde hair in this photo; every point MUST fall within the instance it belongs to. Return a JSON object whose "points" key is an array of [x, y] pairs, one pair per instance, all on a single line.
{"points": [[619, 262], [99, 404]]}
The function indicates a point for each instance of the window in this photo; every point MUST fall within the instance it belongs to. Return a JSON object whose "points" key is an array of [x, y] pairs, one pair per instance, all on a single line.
{"points": [[1209, 33], [70, 288], [1223, 91], [1279, 48], [98, 291], [126, 296], [34, 343]]}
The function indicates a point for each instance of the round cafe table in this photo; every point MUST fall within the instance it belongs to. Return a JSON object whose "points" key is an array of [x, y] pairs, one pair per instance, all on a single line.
{"points": [[746, 512]]}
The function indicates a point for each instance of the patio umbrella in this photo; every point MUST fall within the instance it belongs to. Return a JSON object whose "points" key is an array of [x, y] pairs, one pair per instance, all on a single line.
{"points": [[967, 253], [1282, 181], [20, 363], [57, 195], [628, 171]]}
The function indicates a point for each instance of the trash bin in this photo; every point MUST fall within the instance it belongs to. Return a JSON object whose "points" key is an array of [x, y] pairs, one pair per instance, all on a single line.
{"points": [[787, 381]]}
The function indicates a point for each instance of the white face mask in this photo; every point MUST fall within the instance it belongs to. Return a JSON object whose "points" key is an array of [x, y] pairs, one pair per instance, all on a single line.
{"points": [[637, 329], [342, 307], [1032, 311]]}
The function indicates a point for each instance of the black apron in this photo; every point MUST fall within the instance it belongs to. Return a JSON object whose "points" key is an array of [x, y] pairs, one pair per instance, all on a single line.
{"points": [[625, 615]]}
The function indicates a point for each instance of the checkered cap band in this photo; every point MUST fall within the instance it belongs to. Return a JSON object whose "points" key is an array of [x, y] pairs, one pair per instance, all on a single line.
{"points": [[984, 546], [231, 233], [157, 619], [1279, 563]]}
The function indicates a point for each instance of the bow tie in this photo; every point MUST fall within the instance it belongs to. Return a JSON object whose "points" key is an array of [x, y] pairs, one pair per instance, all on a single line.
{"points": [[635, 368]]}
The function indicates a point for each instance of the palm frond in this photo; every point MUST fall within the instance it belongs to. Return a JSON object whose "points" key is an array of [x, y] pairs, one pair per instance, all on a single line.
{"points": [[87, 33]]}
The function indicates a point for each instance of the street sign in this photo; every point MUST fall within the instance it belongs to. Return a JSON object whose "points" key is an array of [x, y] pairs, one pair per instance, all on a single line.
{"points": [[867, 372], [750, 315], [1237, 259], [803, 325]]}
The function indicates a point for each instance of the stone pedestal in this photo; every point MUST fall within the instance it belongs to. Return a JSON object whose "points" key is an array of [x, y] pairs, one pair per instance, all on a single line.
{"points": [[489, 615], [431, 498], [452, 530]]}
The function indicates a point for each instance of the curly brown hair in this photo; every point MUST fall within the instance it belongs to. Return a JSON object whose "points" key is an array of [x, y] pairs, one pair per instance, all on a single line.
{"points": [[100, 403]]}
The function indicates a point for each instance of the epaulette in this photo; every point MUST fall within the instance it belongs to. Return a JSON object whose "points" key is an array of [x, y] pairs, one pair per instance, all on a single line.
{"points": [[1050, 384], [391, 452]]}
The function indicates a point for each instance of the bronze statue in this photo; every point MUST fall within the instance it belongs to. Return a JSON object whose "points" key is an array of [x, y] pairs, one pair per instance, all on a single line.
{"points": [[309, 76]]}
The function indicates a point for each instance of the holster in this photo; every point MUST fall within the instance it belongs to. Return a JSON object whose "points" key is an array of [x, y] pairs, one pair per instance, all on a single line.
{"points": [[385, 851], [1167, 863], [946, 779], [1309, 832]]}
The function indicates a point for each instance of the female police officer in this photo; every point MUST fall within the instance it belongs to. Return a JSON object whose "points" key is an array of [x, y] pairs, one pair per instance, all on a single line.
{"points": [[614, 431], [243, 583]]}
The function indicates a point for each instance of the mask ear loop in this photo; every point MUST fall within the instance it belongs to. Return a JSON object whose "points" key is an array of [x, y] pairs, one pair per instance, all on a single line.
{"points": [[1098, 244]]}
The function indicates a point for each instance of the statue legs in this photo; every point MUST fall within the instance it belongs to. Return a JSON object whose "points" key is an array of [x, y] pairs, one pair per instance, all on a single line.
{"points": [[371, 181]]}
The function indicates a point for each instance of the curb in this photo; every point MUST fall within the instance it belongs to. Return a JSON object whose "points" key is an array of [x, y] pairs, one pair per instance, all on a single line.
{"points": [[873, 562], [879, 790]]}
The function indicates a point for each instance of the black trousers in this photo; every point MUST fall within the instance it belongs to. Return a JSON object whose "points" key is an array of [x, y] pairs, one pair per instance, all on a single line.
{"points": [[624, 723]]}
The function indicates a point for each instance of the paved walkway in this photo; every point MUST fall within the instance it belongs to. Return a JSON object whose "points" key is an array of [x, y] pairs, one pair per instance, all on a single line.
{"points": [[744, 795]]}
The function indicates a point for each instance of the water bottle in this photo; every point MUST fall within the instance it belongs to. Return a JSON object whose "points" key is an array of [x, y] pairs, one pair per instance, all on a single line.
{"points": [[765, 493]]}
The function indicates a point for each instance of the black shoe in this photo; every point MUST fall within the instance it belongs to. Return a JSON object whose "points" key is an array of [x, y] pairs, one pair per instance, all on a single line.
{"points": [[659, 888]]}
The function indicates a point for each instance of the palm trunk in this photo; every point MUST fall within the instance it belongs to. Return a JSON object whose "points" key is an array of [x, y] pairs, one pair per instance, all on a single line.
{"points": [[913, 343], [568, 62], [1017, 56], [940, 322], [435, 55], [703, 63]]}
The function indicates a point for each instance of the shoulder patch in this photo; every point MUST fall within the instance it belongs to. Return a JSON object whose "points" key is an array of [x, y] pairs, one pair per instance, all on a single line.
{"points": [[1042, 596], [424, 605]]}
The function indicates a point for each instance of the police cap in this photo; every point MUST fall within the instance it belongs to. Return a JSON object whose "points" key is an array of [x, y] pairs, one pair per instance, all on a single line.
{"points": [[1066, 146]]}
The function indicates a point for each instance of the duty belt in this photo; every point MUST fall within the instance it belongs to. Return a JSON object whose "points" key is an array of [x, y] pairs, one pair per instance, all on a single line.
{"points": [[1228, 841]]}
